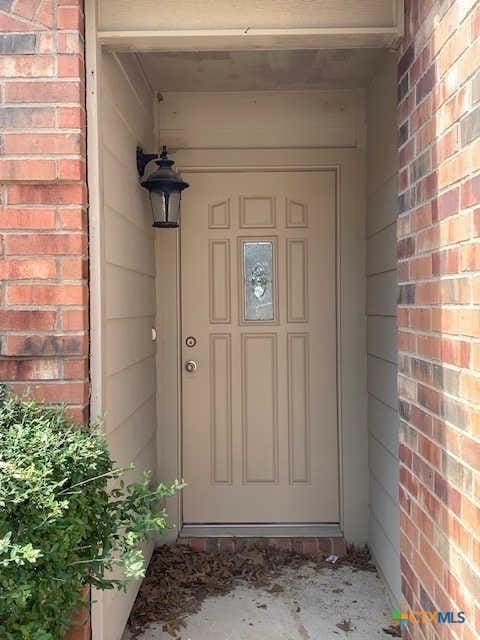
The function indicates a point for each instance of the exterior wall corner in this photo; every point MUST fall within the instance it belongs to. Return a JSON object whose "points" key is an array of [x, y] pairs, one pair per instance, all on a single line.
{"points": [[438, 311]]}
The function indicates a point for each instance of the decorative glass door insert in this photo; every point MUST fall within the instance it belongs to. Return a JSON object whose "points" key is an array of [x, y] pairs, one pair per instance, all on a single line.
{"points": [[258, 292]]}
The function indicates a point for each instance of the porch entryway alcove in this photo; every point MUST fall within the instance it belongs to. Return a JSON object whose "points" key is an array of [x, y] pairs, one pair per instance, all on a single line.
{"points": [[283, 272]]}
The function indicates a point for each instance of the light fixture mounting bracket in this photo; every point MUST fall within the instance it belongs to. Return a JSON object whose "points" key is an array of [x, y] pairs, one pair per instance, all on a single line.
{"points": [[143, 159]]}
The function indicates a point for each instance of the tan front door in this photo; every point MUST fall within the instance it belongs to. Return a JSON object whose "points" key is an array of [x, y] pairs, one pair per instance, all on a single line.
{"points": [[259, 313]]}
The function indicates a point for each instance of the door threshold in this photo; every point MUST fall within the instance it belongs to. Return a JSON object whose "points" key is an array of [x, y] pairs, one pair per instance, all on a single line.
{"points": [[261, 531]]}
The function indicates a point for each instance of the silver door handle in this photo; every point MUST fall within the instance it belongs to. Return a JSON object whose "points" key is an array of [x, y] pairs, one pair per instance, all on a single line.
{"points": [[190, 366]]}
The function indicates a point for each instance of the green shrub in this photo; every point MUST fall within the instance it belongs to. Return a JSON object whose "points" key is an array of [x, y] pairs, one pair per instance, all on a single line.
{"points": [[63, 522]]}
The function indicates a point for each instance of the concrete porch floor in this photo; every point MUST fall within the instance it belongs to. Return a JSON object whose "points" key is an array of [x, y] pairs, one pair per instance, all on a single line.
{"points": [[307, 604]]}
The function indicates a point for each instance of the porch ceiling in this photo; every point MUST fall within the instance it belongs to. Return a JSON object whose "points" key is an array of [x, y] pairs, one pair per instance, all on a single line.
{"points": [[259, 70]]}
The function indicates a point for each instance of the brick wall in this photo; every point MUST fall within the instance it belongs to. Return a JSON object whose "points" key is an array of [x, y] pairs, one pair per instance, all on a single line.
{"points": [[43, 227], [439, 312]]}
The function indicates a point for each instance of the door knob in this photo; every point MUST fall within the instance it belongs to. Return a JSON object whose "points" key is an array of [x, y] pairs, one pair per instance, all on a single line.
{"points": [[190, 366]]}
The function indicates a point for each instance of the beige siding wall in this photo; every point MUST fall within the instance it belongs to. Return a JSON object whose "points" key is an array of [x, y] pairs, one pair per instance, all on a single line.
{"points": [[381, 325], [212, 120], [129, 288]]}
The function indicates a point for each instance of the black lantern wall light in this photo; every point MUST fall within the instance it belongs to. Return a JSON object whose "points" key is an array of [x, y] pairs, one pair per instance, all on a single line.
{"points": [[165, 187]]}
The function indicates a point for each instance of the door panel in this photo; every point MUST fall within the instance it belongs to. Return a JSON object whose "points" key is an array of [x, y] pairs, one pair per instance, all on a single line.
{"points": [[259, 296]]}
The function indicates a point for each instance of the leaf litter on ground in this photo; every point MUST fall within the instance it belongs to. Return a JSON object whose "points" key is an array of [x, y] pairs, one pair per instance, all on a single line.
{"points": [[179, 578]]}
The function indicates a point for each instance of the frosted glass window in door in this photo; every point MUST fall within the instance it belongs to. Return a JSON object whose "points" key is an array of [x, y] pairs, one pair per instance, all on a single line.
{"points": [[258, 265]]}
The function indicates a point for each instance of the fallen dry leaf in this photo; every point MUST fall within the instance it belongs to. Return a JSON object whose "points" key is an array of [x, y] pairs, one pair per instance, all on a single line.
{"points": [[345, 625], [393, 630], [277, 588]]}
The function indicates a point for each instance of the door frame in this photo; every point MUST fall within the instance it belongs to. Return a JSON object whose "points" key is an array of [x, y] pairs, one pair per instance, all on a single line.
{"points": [[320, 529], [347, 164]]}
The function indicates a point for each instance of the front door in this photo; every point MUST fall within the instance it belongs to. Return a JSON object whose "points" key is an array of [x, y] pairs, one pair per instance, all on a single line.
{"points": [[259, 345]]}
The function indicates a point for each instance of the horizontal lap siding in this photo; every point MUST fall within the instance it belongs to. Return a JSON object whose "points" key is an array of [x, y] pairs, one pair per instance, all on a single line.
{"points": [[381, 327], [129, 285]]}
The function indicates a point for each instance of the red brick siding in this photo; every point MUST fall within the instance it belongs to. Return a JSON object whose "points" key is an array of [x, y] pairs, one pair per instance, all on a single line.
{"points": [[439, 312], [80, 627], [306, 546], [43, 222]]}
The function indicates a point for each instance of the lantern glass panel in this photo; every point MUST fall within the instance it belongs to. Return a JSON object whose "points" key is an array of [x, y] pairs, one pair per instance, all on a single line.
{"points": [[165, 208]]}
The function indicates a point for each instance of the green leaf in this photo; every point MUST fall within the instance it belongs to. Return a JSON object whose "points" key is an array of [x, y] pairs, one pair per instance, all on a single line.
{"points": [[67, 517]]}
